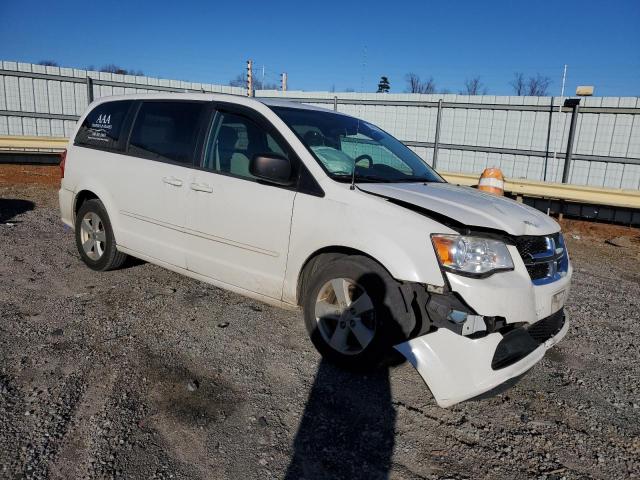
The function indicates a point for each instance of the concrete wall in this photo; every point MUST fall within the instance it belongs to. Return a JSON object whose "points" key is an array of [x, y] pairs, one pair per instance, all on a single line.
{"points": [[49, 99], [475, 131]]}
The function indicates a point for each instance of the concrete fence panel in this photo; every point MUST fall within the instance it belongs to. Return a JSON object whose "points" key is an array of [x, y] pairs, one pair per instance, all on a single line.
{"points": [[524, 136]]}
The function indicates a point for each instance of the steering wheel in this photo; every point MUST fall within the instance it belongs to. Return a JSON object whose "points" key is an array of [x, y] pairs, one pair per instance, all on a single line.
{"points": [[364, 156]]}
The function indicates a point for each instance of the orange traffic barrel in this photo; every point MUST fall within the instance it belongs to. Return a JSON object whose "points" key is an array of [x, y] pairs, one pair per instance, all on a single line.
{"points": [[492, 181]]}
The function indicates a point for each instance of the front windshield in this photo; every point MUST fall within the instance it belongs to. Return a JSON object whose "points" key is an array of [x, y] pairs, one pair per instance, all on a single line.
{"points": [[339, 142]]}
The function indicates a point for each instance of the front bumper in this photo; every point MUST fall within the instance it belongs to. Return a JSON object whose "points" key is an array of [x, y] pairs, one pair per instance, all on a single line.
{"points": [[457, 368], [511, 295]]}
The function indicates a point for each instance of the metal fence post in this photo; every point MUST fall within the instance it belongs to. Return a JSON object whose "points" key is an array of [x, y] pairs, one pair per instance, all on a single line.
{"points": [[546, 150], [436, 141], [89, 89], [573, 103], [335, 103]]}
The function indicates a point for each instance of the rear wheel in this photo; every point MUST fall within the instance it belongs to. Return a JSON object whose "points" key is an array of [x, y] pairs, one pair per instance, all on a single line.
{"points": [[354, 311], [94, 237]]}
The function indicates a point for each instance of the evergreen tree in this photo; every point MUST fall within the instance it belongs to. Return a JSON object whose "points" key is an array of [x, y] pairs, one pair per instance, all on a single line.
{"points": [[384, 86]]}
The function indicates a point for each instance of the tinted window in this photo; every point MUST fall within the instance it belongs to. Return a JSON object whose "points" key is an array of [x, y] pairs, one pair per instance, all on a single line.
{"points": [[167, 131], [103, 125], [234, 141]]}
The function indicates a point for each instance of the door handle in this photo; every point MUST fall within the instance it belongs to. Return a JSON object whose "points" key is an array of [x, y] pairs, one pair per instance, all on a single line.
{"points": [[202, 187], [172, 181]]}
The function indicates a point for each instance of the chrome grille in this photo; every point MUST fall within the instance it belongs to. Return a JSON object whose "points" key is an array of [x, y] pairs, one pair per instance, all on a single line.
{"points": [[544, 256]]}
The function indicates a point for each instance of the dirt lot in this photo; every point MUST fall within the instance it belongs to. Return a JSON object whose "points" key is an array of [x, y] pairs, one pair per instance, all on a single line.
{"points": [[143, 373]]}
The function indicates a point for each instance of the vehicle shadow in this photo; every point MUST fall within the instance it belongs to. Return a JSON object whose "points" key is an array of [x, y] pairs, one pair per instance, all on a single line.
{"points": [[132, 262], [12, 207], [347, 428]]}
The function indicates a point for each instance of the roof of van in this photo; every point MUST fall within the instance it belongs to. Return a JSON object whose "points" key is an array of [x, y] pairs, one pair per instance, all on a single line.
{"points": [[283, 102], [210, 97]]}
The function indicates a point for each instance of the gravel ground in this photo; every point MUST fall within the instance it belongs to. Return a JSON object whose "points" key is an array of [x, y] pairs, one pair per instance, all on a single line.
{"points": [[143, 373]]}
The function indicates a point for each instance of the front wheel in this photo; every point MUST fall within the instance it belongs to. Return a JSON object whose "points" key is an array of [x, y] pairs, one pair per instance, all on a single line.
{"points": [[354, 312]]}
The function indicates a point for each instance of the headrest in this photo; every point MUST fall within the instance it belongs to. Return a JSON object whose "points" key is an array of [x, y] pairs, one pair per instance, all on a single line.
{"points": [[313, 138], [227, 138]]}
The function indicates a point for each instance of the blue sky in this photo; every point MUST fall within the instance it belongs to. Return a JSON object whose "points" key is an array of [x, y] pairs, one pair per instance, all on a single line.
{"points": [[339, 43]]}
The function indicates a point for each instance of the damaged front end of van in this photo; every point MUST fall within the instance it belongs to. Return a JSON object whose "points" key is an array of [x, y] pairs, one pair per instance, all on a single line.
{"points": [[506, 279]]}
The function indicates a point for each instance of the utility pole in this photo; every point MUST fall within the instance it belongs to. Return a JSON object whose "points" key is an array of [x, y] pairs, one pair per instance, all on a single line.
{"points": [[574, 104], [436, 141], [564, 79], [262, 84], [250, 78], [283, 81]]}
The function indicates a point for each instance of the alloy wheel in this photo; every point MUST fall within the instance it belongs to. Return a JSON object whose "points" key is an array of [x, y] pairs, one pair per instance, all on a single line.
{"points": [[345, 316], [93, 236]]}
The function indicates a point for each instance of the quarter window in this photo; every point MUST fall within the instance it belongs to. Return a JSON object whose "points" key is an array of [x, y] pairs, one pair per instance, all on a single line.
{"points": [[167, 131], [234, 140], [102, 126]]}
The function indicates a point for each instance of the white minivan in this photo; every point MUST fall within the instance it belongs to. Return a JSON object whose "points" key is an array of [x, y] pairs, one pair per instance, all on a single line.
{"points": [[303, 207]]}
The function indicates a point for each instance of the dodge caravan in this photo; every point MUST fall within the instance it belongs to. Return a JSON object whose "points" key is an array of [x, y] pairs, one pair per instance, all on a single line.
{"points": [[303, 207]]}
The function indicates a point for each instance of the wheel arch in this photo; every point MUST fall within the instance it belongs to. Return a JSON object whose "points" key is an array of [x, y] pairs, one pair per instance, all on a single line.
{"points": [[81, 197], [94, 191], [326, 254]]}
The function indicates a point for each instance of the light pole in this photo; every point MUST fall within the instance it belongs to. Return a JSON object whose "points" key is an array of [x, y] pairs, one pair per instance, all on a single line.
{"points": [[574, 104]]}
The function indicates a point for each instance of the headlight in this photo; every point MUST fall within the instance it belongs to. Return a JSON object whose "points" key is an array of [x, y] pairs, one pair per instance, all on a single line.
{"points": [[471, 255]]}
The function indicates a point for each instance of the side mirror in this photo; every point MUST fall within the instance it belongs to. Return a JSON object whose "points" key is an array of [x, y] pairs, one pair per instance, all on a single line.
{"points": [[271, 168]]}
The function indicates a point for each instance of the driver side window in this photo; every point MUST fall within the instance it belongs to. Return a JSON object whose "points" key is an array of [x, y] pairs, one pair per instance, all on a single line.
{"points": [[233, 141]]}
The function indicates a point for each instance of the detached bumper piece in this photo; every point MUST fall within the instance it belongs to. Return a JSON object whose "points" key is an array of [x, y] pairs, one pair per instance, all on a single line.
{"points": [[520, 342], [457, 368]]}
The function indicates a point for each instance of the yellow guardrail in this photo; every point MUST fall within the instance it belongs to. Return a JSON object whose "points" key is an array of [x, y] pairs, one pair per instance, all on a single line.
{"points": [[557, 191], [32, 144], [528, 188]]}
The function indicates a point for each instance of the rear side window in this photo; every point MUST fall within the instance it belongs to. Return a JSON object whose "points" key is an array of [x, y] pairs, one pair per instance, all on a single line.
{"points": [[167, 131], [103, 125]]}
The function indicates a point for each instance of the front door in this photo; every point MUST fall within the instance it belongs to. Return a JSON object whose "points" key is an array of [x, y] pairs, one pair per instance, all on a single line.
{"points": [[238, 226]]}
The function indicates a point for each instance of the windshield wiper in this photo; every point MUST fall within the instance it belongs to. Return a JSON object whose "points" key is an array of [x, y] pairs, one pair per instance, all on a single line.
{"points": [[413, 179], [365, 178], [373, 178]]}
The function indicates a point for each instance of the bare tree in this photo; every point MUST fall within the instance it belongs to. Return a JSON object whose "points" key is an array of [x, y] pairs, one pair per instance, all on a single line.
{"points": [[241, 81], [413, 82], [537, 86], [48, 63], [112, 68], [415, 85], [474, 86], [518, 83]]}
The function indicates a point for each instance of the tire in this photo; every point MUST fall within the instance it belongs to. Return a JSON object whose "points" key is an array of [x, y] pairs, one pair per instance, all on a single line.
{"points": [[94, 238], [361, 336]]}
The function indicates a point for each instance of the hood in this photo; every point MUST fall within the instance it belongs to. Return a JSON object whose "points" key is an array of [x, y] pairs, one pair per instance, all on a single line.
{"points": [[468, 206]]}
